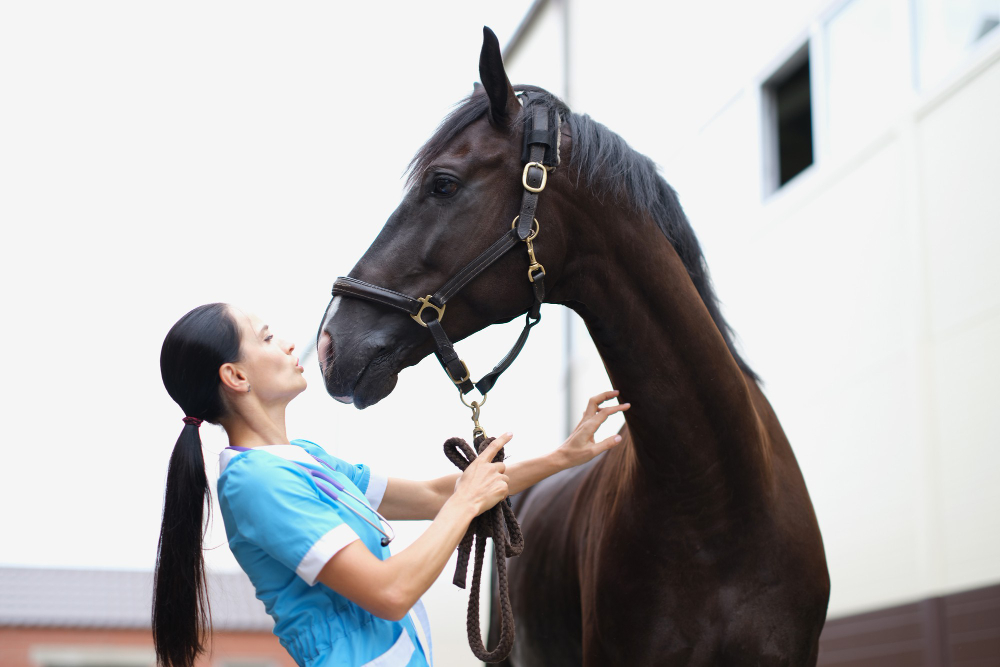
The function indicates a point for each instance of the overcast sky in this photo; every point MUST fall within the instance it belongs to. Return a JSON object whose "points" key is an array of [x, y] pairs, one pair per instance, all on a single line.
{"points": [[156, 156]]}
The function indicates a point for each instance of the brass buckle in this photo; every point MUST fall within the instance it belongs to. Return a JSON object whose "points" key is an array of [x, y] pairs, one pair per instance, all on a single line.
{"points": [[535, 267], [466, 367], [425, 302], [524, 176], [535, 227]]}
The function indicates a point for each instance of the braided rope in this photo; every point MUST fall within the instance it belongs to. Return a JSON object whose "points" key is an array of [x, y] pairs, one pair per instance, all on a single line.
{"points": [[499, 523]]}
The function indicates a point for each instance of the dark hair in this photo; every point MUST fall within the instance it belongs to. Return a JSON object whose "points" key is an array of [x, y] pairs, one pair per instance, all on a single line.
{"points": [[192, 353]]}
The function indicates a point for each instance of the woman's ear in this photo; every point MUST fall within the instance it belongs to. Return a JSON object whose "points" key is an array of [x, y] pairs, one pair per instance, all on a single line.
{"points": [[233, 378]]}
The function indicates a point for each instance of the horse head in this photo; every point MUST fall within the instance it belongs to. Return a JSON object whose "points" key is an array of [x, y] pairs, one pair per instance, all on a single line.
{"points": [[464, 190]]}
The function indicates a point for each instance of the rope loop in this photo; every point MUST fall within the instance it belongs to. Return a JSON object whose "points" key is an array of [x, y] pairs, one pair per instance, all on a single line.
{"points": [[500, 524]]}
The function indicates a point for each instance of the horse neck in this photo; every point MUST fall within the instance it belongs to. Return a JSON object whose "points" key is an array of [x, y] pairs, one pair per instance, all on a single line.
{"points": [[693, 426]]}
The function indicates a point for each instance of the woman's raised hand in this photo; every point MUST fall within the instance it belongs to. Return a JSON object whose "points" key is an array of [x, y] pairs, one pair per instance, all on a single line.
{"points": [[483, 484], [580, 446]]}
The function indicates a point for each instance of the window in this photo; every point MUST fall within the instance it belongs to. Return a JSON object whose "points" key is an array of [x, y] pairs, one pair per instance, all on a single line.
{"points": [[947, 30], [788, 125]]}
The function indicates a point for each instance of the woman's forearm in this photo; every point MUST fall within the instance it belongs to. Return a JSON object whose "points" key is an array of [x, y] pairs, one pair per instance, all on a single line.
{"points": [[522, 475], [416, 567], [390, 588], [528, 473]]}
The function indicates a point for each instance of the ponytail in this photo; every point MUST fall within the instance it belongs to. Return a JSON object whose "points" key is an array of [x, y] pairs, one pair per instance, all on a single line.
{"points": [[181, 612], [194, 349]]}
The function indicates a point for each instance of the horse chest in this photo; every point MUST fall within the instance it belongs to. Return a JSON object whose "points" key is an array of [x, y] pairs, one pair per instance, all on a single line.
{"points": [[607, 588]]}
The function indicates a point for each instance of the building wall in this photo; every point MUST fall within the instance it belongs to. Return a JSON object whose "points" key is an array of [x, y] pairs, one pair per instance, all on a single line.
{"points": [[864, 291], [61, 647]]}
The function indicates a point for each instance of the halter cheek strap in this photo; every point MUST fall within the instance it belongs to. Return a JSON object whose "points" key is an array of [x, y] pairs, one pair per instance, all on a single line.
{"points": [[540, 154]]}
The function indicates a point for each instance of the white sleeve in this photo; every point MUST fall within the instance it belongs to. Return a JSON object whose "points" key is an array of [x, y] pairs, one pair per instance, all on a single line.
{"points": [[323, 550], [376, 489]]}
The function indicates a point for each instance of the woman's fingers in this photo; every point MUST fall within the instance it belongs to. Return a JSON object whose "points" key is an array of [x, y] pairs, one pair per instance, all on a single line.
{"points": [[608, 443], [494, 447], [604, 413], [594, 422], [611, 409], [595, 401]]}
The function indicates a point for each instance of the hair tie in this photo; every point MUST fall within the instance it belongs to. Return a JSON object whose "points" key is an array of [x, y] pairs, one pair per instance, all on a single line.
{"points": [[193, 421]]}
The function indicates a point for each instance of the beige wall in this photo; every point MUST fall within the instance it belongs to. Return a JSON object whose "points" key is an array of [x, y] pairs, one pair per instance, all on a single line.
{"points": [[865, 292]]}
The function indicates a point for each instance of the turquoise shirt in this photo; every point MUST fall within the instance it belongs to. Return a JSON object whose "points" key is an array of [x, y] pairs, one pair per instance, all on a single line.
{"points": [[283, 529]]}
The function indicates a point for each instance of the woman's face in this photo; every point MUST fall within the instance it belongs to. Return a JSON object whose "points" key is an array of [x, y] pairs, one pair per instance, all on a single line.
{"points": [[269, 363]]}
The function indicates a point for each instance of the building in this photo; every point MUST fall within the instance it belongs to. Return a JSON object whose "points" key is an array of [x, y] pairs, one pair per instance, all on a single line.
{"points": [[100, 618], [840, 162]]}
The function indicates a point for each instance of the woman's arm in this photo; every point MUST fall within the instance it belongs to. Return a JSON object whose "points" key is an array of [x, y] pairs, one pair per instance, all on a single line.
{"points": [[390, 588], [408, 499]]}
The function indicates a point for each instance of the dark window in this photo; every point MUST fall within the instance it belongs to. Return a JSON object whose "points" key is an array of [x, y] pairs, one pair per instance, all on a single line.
{"points": [[788, 114]]}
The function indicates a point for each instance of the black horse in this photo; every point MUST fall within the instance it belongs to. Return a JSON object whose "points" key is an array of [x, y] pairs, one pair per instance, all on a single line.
{"points": [[692, 543]]}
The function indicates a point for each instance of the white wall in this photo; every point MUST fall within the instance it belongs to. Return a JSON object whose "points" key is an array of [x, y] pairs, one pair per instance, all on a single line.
{"points": [[864, 292]]}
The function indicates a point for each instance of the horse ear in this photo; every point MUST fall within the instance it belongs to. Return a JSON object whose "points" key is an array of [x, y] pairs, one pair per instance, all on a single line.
{"points": [[503, 101]]}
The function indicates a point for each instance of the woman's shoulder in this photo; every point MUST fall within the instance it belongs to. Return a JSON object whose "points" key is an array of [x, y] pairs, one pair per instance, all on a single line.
{"points": [[261, 464], [309, 446], [358, 473]]}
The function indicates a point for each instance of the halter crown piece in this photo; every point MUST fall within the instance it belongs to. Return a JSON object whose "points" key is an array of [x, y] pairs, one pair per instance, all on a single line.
{"points": [[192, 421], [539, 155]]}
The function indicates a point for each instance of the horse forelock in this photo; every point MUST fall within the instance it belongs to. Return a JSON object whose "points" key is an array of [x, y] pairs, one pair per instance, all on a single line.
{"points": [[603, 163]]}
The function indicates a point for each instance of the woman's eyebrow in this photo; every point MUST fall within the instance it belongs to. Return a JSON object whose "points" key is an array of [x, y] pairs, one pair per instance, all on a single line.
{"points": [[262, 330]]}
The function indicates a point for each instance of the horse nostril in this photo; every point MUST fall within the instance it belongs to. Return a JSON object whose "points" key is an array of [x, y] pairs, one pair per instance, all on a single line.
{"points": [[323, 350]]}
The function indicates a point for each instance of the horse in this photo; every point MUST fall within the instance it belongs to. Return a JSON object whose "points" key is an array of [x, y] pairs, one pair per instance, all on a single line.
{"points": [[693, 542]]}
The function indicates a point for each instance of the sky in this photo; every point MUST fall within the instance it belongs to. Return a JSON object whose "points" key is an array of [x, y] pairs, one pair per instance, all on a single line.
{"points": [[154, 157], [158, 156]]}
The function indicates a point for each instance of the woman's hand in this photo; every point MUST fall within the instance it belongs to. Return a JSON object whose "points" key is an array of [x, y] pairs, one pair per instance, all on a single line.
{"points": [[483, 484], [390, 588], [580, 446]]}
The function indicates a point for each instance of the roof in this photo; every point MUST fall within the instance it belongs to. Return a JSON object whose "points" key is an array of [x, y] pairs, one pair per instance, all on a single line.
{"points": [[41, 597]]}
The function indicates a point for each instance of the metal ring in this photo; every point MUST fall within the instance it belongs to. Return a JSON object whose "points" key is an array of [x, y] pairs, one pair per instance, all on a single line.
{"points": [[425, 302], [524, 177], [479, 404], [536, 227]]}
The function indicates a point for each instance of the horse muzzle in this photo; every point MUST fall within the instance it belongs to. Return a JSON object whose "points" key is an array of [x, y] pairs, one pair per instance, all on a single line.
{"points": [[359, 352]]}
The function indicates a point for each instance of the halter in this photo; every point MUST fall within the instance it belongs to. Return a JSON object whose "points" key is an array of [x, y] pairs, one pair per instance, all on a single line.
{"points": [[540, 155]]}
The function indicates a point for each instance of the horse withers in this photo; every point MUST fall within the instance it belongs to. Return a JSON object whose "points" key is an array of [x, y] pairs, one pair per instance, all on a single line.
{"points": [[694, 542]]}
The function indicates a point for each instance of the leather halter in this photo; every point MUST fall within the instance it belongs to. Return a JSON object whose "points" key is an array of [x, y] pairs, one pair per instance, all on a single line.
{"points": [[540, 155]]}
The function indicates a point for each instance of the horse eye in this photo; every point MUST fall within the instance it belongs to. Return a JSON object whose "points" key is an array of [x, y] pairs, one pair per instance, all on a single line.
{"points": [[444, 187]]}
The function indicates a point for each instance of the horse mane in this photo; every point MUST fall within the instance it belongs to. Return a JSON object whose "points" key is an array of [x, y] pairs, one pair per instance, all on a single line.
{"points": [[609, 168]]}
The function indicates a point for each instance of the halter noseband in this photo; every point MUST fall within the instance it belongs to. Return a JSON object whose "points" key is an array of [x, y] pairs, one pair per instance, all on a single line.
{"points": [[540, 154]]}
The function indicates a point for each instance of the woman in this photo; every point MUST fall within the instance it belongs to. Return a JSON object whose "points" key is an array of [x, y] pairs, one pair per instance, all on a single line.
{"points": [[315, 555]]}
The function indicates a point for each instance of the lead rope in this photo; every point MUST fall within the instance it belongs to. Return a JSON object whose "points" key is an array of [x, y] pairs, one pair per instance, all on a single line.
{"points": [[499, 523]]}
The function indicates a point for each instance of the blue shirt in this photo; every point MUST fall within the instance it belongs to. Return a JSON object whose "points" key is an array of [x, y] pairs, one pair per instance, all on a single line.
{"points": [[283, 529]]}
